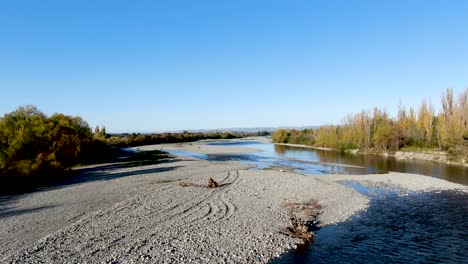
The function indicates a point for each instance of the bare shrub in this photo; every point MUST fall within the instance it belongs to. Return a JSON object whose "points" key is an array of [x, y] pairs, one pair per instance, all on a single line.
{"points": [[303, 216], [299, 229]]}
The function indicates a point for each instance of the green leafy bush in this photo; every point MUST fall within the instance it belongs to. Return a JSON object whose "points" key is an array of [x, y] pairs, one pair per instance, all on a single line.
{"points": [[35, 148]]}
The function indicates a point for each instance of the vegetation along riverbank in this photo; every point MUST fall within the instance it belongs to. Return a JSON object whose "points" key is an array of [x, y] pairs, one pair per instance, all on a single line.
{"points": [[37, 150], [412, 134]]}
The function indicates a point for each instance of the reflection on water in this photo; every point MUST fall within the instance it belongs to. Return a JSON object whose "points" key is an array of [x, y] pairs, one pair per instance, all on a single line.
{"points": [[324, 162], [303, 160], [398, 227]]}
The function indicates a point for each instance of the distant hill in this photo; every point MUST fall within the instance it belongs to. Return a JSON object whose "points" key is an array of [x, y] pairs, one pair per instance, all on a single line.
{"points": [[247, 130]]}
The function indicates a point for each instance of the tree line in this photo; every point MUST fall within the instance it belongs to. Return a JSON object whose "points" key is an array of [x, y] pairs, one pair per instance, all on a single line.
{"points": [[36, 149], [137, 139], [376, 130]]}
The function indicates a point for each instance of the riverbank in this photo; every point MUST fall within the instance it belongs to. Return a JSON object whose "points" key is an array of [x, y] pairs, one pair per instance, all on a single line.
{"points": [[160, 213], [433, 156], [303, 146]]}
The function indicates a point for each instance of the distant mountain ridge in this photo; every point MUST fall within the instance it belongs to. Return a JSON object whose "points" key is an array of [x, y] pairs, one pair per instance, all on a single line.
{"points": [[233, 130], [246, 130]]}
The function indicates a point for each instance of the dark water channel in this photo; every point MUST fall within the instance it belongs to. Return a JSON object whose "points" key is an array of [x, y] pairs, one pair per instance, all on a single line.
{"points": [[398, 226]]}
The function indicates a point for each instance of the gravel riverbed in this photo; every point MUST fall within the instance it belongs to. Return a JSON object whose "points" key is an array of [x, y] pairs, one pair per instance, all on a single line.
{"points": [[145, 214]]}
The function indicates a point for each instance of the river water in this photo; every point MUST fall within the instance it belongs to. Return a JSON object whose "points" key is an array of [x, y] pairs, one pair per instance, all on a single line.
{"points": [[398, 227], [325, 162]]}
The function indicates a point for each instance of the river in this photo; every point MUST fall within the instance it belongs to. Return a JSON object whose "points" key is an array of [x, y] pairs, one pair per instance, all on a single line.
{"points": [[398, 227], [321, 162]]}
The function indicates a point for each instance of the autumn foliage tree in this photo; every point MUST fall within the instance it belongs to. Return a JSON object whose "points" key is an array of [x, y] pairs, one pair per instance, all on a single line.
{"points": [[377, 130], [452, 125], [34, 147]]}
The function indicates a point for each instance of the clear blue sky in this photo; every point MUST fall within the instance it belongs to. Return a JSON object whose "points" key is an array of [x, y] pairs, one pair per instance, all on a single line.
{"points": [[149, 66]]}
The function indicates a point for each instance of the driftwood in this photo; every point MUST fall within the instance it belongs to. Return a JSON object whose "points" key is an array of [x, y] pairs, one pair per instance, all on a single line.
{"points": [[212, 183]]}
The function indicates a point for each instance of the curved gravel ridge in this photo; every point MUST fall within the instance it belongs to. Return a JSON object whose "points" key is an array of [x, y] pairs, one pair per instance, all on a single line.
{"points": [[26, 218], [239, 222]]}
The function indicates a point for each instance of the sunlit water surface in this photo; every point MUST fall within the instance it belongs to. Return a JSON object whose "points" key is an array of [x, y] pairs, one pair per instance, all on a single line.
{"points": [[398, 226]]}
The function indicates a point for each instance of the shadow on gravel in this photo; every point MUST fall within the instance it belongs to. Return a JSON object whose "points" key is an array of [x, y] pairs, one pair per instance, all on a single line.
{"points": [[97, 173], [103, 173], [411, 228], [104, 176], [9, 212], [118, 165]]}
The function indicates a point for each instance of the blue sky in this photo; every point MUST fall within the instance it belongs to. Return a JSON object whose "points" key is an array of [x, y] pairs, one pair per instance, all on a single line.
{"points": [[149, 66]]}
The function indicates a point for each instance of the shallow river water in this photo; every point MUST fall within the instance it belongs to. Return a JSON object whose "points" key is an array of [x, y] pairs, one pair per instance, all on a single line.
{"points": [[398, 226], [325, 162]]}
